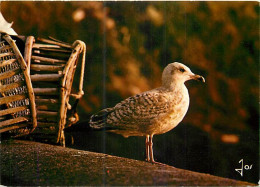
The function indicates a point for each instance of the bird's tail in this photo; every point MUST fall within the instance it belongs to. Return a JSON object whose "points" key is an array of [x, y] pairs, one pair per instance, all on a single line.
{"points": [[98, 120]]}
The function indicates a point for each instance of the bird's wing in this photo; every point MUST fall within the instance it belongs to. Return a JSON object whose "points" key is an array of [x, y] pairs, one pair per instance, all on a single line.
{"points": [[139, 109]]}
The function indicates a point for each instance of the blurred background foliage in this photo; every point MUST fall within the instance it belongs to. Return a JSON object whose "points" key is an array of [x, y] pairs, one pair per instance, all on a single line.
{"points": [[129, 44]]}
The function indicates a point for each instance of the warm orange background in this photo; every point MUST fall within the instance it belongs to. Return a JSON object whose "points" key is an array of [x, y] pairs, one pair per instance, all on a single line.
{"points": [[129, 44]]}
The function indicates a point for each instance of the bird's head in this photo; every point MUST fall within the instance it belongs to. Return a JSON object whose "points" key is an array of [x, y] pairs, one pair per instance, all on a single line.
{"points": [[177, 73]]}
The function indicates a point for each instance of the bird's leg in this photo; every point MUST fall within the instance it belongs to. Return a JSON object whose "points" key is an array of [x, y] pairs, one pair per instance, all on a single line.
{"points": [[150, 151], [147, 148], [150, 144]]}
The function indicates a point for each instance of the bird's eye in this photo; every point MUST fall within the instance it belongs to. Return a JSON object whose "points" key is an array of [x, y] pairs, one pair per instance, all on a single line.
{"points": [[182, 70]]}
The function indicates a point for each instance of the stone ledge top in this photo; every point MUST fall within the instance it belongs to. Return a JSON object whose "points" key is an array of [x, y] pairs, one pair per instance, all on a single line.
{"points": [[38, 164]]}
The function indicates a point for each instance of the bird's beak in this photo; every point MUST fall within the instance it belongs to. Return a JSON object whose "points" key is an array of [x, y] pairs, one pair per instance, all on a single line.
{"points": [[197, 77]]}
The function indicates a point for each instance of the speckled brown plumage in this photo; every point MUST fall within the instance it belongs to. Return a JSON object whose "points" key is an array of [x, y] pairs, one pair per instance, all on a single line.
{"points": [[153, 112]]}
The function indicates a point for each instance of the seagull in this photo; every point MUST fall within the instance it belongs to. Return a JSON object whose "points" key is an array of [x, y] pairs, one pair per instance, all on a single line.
{"points": [[153, 112]]}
